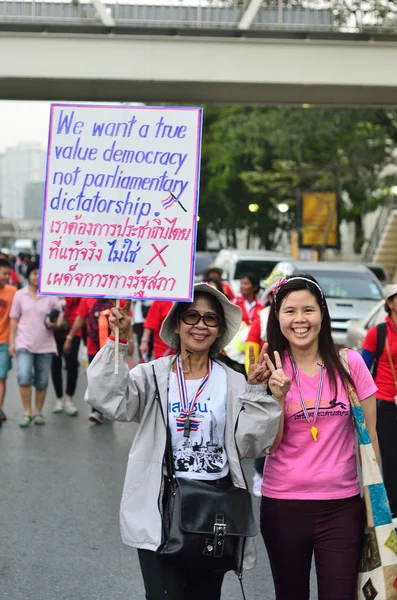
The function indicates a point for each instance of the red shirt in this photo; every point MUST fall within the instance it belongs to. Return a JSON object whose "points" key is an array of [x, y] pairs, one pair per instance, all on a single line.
{"points": [[254, 334], [83, 311], [70, 312], [384, 376], [248, 316], [158, 310], [14, 279], [227, 290]]}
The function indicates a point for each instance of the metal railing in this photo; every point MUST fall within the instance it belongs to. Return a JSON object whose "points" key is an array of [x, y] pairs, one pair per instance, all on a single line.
{"points": [[378, 231], [315, 15]]}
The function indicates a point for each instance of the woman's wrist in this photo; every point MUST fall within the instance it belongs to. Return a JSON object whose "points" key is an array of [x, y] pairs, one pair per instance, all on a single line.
{"points": [[121, 340], [280, 399], [69, 337]]}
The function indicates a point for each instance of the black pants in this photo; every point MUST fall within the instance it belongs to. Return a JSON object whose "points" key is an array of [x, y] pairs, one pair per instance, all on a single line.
{"points": [[72, 367], [332, 530], [259, 465], [165, 582], [386, 428]]}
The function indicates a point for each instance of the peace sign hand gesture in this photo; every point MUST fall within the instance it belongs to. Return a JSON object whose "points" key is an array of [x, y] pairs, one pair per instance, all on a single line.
{"points": [[258, 372], [279, 383]]}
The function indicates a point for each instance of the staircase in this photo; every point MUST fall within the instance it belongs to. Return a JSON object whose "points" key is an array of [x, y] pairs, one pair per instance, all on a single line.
{"points": [[382, 247]]}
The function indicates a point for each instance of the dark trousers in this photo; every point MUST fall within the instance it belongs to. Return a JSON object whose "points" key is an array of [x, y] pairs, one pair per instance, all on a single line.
{"points": [[259, 465], [331, 529], [386, 428], [72, 367], [164, 581]]}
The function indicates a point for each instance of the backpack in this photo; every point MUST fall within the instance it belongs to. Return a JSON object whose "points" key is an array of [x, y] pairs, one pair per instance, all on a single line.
{"points": [[380, 344], [100, 305]]}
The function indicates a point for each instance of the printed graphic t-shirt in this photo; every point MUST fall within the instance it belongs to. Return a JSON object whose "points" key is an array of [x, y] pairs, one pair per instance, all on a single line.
{"points": [[302, 469], [202, 455]]}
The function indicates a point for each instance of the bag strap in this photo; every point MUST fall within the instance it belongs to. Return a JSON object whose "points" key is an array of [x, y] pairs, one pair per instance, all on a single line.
{"points": [[169, 458], [351, 391], [393, 370], [380, 344], [380, 338]]}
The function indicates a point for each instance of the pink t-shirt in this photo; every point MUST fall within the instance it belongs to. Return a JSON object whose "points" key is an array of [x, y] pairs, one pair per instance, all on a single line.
{"points": [[302, 469], [32, 334]]}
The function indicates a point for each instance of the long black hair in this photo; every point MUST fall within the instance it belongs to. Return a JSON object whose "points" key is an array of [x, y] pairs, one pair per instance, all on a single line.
{"points": [[277, 341]]}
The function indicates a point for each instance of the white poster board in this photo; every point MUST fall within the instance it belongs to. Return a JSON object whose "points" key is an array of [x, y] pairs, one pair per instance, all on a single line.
{"points": [[121, 202]]}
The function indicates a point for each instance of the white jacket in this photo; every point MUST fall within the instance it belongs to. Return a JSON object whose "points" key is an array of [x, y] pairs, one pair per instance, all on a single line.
{"points": [[251, 427]]}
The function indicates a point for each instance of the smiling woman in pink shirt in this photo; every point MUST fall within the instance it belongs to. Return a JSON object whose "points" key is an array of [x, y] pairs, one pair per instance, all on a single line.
{"points": [[32, 339], [311, 500]]}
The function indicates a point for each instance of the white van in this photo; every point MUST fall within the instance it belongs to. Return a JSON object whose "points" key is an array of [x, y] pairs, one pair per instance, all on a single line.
{"points": [[236, 263]]}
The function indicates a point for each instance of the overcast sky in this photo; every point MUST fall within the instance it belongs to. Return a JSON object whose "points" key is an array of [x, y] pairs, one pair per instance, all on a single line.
{"points": [[23, 121]]}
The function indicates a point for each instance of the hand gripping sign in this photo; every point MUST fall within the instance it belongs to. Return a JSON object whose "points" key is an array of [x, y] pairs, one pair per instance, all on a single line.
{"points": [[121, 202]]}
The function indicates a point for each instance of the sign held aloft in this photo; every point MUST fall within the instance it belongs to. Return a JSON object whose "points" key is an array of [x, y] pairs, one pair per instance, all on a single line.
{"points": [[121, 202]]}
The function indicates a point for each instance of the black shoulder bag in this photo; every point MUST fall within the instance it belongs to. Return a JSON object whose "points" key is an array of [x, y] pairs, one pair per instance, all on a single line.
{"points": [[203, 525]]}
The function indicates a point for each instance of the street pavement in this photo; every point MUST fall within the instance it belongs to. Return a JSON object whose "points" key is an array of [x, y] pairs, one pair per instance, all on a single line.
{"points": [[60, 488]]}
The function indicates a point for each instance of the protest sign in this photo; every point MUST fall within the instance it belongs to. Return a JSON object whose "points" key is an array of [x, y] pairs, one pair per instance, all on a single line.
{"points": [[121, 202]]}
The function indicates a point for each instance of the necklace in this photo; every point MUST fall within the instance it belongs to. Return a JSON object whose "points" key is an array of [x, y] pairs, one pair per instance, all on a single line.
{"points": [[309, 419], [185, 422]]}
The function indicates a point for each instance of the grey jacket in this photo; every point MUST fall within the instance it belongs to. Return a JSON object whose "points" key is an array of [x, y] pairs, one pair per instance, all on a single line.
{"points": [[251, 427]]}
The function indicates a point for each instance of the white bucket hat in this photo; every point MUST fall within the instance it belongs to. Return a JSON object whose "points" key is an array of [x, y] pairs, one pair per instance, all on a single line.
{"points": [[390, 290], [231, 312]]}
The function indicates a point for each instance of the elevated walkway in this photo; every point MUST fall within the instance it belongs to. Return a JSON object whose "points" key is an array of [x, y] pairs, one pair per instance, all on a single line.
{"points": [[195, 51], [382, 247], [340, 70]]}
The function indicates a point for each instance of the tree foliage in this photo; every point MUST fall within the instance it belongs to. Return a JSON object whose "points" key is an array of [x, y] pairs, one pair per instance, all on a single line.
{"points": [[266, 155]]}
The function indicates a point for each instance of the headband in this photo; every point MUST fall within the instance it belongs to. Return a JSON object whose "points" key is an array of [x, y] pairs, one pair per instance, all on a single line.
{"points": [[283, 281]]}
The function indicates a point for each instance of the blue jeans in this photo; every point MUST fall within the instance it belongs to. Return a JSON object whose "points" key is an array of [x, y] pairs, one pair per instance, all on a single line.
{"points": [[33, 369], [5, 361]]}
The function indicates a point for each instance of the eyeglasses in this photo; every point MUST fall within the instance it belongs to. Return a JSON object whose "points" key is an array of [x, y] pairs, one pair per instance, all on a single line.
{"points": [[193, 317]]}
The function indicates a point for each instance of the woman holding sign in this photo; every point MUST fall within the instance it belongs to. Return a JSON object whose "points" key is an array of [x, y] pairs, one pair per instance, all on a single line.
{"points": [[197, 420], [311, 495]]}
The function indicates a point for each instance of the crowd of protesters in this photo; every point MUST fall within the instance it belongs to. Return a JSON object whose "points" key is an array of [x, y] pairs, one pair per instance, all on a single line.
{"points": [[48, 336]]}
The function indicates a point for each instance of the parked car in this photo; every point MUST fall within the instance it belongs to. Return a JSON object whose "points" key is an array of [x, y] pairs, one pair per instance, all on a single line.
{"points": [[236, 263], [351, 289], [203, 261], [380, 272], [357, 330]]}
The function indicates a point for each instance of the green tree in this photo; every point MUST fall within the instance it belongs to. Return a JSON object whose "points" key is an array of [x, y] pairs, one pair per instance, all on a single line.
{"points": [[344, 150]]}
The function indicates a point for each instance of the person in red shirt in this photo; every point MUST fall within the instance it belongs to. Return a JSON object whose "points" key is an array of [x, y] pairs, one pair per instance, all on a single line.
{"points": [[89, 312], [71, 361], [151, 329], [386, 396], [216, 274], [248, 301]]}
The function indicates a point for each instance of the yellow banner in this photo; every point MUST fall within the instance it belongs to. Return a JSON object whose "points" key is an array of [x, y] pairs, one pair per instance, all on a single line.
{"points": [[319, 219]]}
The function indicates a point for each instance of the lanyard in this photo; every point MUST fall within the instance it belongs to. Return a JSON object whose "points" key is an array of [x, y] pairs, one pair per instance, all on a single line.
{"points": [[188, 407], [309, 419], [250, 311]]}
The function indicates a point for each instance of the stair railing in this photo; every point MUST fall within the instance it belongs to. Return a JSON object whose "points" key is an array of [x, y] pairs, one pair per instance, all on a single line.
{"points": [[373, 242]]}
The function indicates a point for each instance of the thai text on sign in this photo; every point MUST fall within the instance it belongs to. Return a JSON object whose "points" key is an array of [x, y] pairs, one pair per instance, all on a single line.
{"points": [[121, 202]]}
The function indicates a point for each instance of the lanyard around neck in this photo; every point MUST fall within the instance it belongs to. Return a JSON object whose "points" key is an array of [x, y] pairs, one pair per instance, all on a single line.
{"points": [[189, 407], [309, 419]]}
